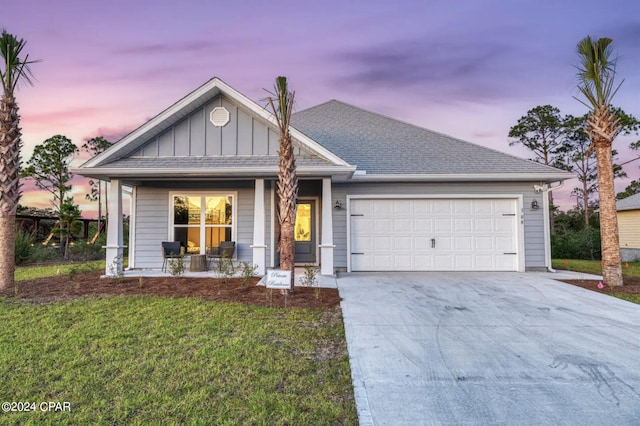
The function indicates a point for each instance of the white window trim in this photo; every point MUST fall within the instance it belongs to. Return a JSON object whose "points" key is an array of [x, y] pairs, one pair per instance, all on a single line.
{"points": [[234, 213]]}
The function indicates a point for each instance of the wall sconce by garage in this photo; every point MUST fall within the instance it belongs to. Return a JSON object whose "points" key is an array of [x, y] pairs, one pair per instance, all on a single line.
{"points": [[337, 205], [534, 205]]}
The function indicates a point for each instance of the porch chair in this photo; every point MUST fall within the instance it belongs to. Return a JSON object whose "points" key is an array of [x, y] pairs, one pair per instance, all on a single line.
{"points": [[170, 250], [224, 252]]}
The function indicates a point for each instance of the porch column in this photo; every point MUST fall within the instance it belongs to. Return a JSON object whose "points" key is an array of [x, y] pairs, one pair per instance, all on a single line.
{"points": [[259, 247], [114, 230], [326, 244]]}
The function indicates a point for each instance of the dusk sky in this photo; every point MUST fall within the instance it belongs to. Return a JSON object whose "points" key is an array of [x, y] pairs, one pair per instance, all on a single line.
{"points": [[465, 68]]}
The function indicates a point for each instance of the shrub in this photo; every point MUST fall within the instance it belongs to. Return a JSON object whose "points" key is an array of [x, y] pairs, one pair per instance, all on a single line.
{"points": [[571, 244], [23, 246]]}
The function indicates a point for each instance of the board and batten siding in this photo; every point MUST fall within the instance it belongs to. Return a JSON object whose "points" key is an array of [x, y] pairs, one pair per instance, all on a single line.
{"points": [[195, 135], [629, 230], [533, 219], [152, 223]]}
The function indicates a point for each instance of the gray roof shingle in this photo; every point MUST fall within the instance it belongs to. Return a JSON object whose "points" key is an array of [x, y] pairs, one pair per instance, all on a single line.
{"points": [[382, 145], [629, 203]]}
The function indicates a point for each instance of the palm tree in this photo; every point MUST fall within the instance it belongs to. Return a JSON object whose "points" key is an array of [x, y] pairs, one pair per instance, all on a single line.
{"points": [[287, 188], [15, 69], [596, 73]]}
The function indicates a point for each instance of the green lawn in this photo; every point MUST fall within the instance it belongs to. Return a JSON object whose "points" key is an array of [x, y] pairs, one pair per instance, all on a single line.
{"points": [[152, 360], [32, 272], [594, 267]]}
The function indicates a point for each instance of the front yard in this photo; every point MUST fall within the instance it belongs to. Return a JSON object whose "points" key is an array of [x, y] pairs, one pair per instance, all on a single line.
{"points": [[158, 360]]}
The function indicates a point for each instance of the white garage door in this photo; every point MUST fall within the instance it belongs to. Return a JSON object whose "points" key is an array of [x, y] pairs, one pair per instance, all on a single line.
{"points": [[434, 235]]}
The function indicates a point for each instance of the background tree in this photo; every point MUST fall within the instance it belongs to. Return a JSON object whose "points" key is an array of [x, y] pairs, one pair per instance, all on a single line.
{"points": [[14, 69], [287, 187], [581, 161], [69, 223], [95, 146], [49, 168], [596, 74], [632, 189], [541, 132]]}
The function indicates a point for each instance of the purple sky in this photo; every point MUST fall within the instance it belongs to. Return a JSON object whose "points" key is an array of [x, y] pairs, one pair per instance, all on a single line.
{"points": [[466, 68]]}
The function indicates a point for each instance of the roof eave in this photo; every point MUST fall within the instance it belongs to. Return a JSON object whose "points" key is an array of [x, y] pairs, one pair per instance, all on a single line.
{"points": [[468, 177], [236, 172]]}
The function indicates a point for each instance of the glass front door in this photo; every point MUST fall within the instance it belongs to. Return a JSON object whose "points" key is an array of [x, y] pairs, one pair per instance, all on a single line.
{"points": [[305, 231]]}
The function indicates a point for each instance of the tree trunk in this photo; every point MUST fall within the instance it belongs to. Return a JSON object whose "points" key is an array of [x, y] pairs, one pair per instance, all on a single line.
{"points": [[7, 253], [585, 203], [288, 193], [611, 267], [9, 186]]}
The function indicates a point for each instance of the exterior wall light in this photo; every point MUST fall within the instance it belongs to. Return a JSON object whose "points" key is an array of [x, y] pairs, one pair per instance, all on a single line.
{"points": [[534, 205]]}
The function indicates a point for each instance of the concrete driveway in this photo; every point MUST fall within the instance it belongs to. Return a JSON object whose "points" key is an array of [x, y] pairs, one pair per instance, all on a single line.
{"points": [[489, 348]]}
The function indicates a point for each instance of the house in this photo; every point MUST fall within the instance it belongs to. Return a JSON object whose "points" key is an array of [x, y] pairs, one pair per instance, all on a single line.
{"points": [[375, 193], [629, 227]]}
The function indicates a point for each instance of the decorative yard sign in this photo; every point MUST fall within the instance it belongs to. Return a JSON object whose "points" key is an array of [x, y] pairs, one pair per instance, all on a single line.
{"points": [[277, 278]]}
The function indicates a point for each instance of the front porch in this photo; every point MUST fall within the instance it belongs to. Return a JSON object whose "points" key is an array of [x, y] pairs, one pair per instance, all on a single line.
{"points": [[248, 217]]}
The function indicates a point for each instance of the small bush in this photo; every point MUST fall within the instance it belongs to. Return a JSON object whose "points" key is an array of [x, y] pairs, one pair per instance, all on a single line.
{"points": [[23, 246], [42, 254], [248, 272], [582, 244], [177, 266]]}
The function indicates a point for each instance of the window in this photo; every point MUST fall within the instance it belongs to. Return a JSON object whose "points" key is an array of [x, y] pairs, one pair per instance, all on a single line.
{"points": [[202, 220]]}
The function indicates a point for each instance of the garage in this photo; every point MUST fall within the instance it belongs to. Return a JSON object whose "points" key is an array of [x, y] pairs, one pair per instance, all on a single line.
{"points": [[416, 234]]}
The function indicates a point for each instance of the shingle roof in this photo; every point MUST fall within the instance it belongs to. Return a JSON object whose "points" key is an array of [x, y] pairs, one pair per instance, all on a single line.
{"points": [[629, 203], [382, 145]]}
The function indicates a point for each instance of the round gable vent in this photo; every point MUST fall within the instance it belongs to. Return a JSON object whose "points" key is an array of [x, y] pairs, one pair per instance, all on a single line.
{"points": [[219, 116]]}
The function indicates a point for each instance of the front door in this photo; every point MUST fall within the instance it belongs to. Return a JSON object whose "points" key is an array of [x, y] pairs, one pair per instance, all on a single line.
{"points": [[305, 232]]}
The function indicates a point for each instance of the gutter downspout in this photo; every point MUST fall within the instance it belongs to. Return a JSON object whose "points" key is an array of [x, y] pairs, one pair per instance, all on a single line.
{"points": [[547, 230]]}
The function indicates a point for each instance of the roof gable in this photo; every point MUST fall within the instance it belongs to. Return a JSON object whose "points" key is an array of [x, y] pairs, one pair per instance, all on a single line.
{"points": [[184, 130]]}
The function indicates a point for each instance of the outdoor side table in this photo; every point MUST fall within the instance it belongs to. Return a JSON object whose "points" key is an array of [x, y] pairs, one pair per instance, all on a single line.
{"points": [[198, 263]]}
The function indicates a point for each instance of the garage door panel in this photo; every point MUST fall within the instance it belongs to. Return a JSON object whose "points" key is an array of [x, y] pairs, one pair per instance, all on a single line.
{"points": [[402, 208], [402, 225], [463, 225], [463, 243], [443, 225], [484, 262], [467, 234], [421, 226]]}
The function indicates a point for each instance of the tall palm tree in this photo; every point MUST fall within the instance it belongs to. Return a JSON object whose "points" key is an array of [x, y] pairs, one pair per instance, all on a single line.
{"points": [[15, 69], [596, 73], [287, 187]]}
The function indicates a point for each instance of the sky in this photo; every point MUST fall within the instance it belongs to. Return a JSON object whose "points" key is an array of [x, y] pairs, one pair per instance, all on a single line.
{"points": [[467, 68]]}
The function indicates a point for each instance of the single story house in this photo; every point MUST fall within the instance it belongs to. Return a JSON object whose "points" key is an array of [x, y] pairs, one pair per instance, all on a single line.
{"points": [[629, 227], [375, 193]]}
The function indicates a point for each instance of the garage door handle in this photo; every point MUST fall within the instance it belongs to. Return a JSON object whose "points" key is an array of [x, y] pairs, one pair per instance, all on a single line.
{"points": [[433, 243], [357, 253], [510, 253]]}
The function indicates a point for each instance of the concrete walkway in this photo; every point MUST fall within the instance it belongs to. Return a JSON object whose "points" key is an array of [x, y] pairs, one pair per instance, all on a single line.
{"points": [[489, 348]]}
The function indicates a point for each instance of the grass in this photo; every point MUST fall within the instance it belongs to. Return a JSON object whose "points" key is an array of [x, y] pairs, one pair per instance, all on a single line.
{"points": [[33, 272], [629, 269], [594, 266], [152, 360]]}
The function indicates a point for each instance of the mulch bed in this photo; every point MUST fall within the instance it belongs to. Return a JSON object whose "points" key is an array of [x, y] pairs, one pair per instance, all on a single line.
{"points": [[631, 286], [63, 288]]}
